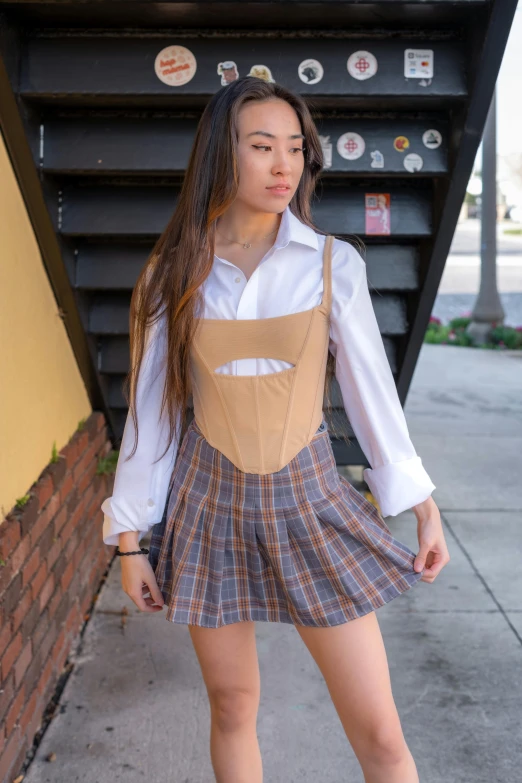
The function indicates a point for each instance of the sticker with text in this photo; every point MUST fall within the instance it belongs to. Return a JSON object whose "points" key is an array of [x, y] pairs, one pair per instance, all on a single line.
{"points": [[377, 213], [175, 65], [413, 162], [418, 63]]}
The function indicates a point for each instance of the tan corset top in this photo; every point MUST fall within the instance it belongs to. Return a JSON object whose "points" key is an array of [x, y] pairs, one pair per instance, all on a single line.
{"points": [[260, 422]]}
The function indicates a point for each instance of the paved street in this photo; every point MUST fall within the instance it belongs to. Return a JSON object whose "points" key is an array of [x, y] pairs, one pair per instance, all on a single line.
{"points": [[461, 278]]}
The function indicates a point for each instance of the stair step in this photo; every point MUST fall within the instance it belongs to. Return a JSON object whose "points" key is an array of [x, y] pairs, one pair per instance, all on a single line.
{"points": [[150, 146], [97, 211]]}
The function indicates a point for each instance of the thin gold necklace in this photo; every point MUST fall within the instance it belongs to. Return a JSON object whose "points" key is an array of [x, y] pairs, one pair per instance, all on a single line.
{"points": [[246, 245]]}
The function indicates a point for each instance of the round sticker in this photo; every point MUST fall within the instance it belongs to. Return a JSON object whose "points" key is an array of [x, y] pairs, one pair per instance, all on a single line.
{"points": [[262, 72], [401, 143], [228, 72], [175, 65], [413, 162], [310, 71], [350, 146], [362, 65], [431, 139]]}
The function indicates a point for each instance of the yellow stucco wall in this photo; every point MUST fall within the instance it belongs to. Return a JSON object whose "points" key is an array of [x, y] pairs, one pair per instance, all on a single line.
{"points": [[42, 395]]}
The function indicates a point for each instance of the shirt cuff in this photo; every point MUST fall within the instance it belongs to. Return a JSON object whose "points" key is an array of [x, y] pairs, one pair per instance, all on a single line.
{"points": [[124, 514], [399, 486]]}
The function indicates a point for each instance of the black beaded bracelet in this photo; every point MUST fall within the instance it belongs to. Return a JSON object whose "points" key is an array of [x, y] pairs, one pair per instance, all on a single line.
{"points": [[142, 551]]}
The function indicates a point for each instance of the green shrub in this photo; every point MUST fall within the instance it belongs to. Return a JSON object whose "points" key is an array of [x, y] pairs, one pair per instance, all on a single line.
{"points": [[454, 333], [507, 336]]}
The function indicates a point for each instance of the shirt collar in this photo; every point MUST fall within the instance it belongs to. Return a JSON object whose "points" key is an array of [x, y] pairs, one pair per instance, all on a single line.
{"points": [[292, 230]]}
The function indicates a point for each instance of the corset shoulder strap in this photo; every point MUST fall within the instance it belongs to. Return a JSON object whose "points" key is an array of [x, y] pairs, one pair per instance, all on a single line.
{"points": [[327, 272]]}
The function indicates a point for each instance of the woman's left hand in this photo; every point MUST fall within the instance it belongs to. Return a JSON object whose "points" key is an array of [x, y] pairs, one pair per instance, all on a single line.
{"points": [[433, 553]]}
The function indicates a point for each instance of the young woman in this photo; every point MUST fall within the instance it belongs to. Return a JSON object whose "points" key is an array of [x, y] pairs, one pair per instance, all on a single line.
{"points": [[250, 309]]}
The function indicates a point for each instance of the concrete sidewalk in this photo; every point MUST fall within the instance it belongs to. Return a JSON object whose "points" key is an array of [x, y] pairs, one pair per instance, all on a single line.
{"points": [[135, 707]]}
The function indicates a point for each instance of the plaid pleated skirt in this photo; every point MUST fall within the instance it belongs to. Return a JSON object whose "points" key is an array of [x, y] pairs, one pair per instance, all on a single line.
{"points": [[300, 545]]}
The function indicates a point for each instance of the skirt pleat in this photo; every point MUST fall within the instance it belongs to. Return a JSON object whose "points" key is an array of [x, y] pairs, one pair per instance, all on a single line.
{"points": [[299, 546]]}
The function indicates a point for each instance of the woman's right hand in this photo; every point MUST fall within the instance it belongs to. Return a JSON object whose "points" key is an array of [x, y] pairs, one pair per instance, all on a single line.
{"points": [[137, 576]]}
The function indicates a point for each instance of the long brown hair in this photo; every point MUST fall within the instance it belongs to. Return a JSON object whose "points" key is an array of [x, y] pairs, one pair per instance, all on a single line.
{"points": [[181, 260]]}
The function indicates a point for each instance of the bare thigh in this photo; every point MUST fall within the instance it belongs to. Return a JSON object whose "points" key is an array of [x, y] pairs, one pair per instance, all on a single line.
{"points": [[352, 659], [230, 669]]}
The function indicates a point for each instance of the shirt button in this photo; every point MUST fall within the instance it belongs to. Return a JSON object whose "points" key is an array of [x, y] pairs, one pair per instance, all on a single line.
{"points": [[150, 502], [238, 279]]}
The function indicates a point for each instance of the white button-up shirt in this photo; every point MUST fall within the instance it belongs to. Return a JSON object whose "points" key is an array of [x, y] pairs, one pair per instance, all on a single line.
{"points": [[288, 279]]}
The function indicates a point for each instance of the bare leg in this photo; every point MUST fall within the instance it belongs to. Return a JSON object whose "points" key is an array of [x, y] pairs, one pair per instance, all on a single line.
{"points": [[230, 669], [353, 662]]}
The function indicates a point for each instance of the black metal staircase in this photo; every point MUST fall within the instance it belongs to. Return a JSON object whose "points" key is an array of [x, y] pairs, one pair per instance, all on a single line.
{"points": [[109, 140]]}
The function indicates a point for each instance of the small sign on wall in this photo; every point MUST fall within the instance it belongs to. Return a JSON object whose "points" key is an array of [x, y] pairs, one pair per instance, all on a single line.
{"points": [[418, 63], [377, 214]]}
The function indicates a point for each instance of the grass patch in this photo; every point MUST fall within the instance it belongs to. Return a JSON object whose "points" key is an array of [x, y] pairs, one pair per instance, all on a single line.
{"points": [[107, 465]]}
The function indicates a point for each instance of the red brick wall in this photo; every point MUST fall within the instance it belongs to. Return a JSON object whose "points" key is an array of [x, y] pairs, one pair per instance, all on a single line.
{"points": [[54, 561]]}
